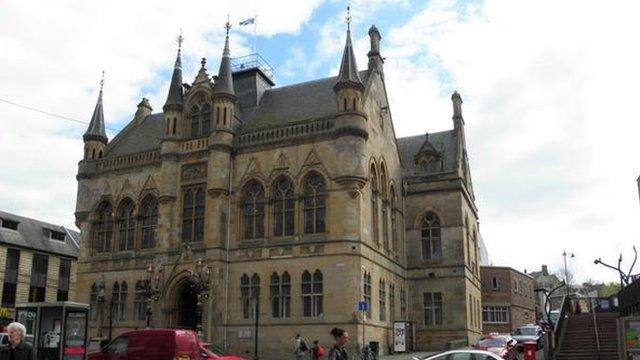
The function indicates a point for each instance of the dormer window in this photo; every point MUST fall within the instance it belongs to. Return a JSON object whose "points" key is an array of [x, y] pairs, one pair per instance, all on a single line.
{"points": [[9, 224], [56, 235], [430, 163]]}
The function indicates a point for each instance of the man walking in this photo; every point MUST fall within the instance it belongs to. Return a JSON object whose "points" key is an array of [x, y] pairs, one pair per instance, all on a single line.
{"points": [[17, 349], [300, 347]]}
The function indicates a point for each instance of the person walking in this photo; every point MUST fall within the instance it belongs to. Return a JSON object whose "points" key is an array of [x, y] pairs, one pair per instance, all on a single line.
{"points": [[317, 351], [338, 351], [17, 349], [300, 347]]}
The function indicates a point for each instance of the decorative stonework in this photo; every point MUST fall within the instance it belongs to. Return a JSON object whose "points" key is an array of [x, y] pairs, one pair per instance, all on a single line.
{"points": [[192, 172], [279, 252], [312, 249], [251, 254]]}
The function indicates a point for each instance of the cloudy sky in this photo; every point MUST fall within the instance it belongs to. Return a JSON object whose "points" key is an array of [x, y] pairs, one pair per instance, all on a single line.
{"points": [[549, 89]]}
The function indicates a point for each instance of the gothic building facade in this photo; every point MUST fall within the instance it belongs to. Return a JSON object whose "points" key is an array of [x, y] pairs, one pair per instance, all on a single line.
{"points": [[297, 201]]}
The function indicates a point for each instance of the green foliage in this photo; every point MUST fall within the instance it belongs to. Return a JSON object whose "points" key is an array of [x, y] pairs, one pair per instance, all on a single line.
{"points": [[609, 289]]}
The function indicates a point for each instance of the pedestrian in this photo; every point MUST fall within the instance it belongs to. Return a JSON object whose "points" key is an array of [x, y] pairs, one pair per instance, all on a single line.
{"points": [[300, 347], [17, 349], [317, 351], [338, 351]]}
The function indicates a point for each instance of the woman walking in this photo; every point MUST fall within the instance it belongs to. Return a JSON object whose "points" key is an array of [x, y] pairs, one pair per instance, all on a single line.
{"points": [[338, 352]]}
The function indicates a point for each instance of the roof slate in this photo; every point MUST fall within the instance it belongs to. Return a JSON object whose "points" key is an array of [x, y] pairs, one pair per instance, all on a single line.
{"points": [[32, 234], [138, 137], [444, 142]]}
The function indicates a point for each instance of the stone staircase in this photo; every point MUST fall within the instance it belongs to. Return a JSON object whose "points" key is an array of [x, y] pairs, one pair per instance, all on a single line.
{"points": [[579, 339]]}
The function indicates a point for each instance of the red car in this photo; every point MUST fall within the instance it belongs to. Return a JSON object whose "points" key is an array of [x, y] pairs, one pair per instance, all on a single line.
{"points": [[501, 345], [160, 344]]}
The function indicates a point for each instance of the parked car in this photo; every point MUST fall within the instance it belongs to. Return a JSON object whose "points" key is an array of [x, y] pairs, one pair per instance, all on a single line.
{"points": [[461, 355], [160, 344], [4, 340], [528, 333], [502, 345]]}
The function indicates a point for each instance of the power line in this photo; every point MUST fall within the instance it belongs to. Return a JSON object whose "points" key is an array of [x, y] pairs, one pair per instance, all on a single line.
{"points": [[50, 113]]}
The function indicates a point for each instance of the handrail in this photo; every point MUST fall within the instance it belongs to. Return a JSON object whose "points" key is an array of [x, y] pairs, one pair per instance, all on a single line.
{"points": [[562, 319], [595, 325]]}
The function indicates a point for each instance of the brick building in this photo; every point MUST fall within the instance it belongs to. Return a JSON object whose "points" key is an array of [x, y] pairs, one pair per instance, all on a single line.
{"points": [[37, 262], [508, 299], [299, 198]]}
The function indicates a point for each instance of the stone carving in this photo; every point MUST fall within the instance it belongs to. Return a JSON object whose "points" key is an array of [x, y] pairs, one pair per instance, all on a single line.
{"points": [[284, 251], [149, 184], [251, 254], [282, 162], [312, 159], [194, 171], [312, 249]]}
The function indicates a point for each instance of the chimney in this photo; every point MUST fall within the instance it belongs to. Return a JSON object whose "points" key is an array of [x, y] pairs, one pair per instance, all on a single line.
{"points": [[545, 271]]}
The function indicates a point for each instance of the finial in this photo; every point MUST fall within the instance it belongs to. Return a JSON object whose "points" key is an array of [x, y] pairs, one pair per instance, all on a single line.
{"points": [[348, 18], [203, 62], [102, 81], [180, 39], [227, 26]]}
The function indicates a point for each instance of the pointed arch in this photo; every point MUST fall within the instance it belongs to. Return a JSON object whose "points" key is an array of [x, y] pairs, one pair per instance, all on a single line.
{"points": [[283, 206], [394, 217], [253, 210], [373, 178], [200, 115], [315, 194], [384, 205], [103, 228], [431, 235], [126, 224], [149, 221]]}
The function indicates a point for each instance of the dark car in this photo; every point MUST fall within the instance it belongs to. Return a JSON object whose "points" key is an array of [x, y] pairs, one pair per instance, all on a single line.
{"points": [[501, 345], [529, 333]]}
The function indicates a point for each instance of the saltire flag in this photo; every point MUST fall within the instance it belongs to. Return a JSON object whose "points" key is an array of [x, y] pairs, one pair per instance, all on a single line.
{"points": [[249, 21]]}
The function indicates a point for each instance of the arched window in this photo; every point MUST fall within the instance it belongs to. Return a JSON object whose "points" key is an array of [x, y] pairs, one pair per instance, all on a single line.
{"points": [[200, 116], [382, 300], [467, 232], [431, 237], [315, 194], [280, 291], [366, 291], [93, 302], [394, 219], [344, 104], [354, 104], [283, 207], [103, 228], [385, 212], [392, 302], [119, 296], [149, 216], [126, 225], [193, 214], [139, 308], [253, 210], [374, 204], [249, 294], [312, 294]]}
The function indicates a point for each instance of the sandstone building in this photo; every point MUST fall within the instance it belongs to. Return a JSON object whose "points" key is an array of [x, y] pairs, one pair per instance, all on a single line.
{"points": [[508, 299], [38, 262], [299, 196]]}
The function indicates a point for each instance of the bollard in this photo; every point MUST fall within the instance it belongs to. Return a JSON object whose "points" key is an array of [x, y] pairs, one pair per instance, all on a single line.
{"points": [[530, 349]]}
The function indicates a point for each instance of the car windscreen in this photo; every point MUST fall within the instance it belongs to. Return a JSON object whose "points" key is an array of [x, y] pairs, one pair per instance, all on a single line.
{"points": [[527, 331], [496, 342]]}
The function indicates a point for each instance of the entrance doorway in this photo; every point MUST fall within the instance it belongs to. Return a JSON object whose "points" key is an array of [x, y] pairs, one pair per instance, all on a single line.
{"points": [[187, 304]]}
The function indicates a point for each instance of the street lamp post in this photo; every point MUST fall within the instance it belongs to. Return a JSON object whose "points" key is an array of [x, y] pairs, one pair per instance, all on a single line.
{"points": [[152, 288], [566, 272], [200, 282]]}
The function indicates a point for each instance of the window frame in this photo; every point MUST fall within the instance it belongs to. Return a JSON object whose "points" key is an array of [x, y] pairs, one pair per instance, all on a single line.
{"points": [[431, 237], [433, 309]]}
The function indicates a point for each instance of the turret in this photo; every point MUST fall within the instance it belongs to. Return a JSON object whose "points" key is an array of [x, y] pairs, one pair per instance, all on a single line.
{"points": [[175, 100], [375, 60], [224, 97], [348, 87], [95, 138], [458, 120]]}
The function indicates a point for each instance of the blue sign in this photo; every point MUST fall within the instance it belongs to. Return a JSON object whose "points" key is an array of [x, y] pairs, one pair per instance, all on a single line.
{"points": [[363, 306]]}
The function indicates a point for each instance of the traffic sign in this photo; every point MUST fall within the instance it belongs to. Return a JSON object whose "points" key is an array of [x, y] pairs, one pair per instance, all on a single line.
{"points": [[363, 306]]}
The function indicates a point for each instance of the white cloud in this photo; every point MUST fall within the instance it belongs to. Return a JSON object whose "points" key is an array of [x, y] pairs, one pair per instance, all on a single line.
{"points": [[548, 88], [52, 58]]}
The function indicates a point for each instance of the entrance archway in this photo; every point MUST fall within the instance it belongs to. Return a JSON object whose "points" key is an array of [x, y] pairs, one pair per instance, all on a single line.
{"points": [[186, 306]]}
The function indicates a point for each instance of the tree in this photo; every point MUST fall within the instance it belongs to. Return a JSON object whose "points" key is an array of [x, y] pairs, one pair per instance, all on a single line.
{"points": [[609, 289]]}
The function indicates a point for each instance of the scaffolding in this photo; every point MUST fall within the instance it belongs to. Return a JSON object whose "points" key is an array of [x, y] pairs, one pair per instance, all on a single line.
{"points": [[252, 61]]}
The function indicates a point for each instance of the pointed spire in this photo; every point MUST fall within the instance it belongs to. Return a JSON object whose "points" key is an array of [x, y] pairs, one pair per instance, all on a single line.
{"points": [[224, 81], [96, 126], [457, 104], [176, 97], [348, 76]]}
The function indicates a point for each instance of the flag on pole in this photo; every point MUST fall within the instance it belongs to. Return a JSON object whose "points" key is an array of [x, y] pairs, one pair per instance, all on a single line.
{"points": [[248, 21]]}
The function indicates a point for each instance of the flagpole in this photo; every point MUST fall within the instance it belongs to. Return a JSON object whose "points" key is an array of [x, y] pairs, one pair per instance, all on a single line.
{"points": [[255, 25]]}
